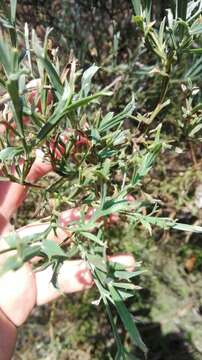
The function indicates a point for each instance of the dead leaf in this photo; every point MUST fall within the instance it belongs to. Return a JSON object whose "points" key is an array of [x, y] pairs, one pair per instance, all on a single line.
{"points": [[190, 263]]}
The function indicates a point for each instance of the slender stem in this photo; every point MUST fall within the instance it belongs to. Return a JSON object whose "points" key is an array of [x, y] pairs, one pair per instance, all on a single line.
{"points": [[7, 250]]}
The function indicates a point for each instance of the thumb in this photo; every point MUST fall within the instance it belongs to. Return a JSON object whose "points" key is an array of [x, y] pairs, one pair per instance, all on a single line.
{"points": [[39, 168], [16, 193]]}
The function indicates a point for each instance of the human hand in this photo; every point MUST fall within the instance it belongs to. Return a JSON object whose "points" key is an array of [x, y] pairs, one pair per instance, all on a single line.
{"points": [[21, 290]]}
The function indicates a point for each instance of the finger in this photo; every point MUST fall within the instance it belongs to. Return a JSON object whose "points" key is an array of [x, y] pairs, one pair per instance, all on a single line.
{"points": [[18, 294], [64, 219], [8, 334], [38, 169], [14, 194], [13, 197], [74, 276], [59, 235], [128, 261]]}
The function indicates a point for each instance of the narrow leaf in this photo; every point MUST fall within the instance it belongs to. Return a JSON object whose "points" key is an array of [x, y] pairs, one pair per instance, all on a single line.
{"points": [[137, 6], [146, 164], [196, 28], [181, 9], [5, 57], [127, 319], [9, 153], [86, 80], [13, 11], [127, 274], [110, 121], [98, 262], [50, 248], [56, 117], [53, 75], [91, 237], [12, 86], [195, 51]]}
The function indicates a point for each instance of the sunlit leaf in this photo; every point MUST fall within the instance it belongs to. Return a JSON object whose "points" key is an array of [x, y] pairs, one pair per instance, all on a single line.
{"points": [[9, 153], [51, 249], [53, 75], [137, 6], [57, 116], [86, 80], [13, 10]]}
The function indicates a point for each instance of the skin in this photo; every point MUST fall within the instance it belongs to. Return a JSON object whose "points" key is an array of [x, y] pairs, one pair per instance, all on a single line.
{"points": [[23, 289]]}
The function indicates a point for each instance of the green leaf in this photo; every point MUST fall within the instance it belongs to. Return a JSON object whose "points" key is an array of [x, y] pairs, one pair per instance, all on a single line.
{"points": [[195, 51], [11, 239], [110, 121], [100, 277], [5, 58], [45, 63], [113, 206], [161, 31], [194, 9], [51, 249], [109, 207], [127, 286], [27, 44], [58, 115], [196, 28], [181, 9], [56, 269], [12, 86], [137, 6], [146, 164], [12, 263], [6, 23], [148, 6], [35, 236], [86, 80], [127, 319], [167, 223], [29, 252], [98, 262], [125, 294], [127, 274], [13, 10], [187, 227], [107, 118], [53, 75], [104, 294], [91, 237], [9, 153], [196, 129], [194, 70]]}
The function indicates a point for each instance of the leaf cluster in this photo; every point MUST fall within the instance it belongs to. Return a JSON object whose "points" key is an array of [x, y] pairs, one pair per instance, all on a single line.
{"points": [[98, 167]]}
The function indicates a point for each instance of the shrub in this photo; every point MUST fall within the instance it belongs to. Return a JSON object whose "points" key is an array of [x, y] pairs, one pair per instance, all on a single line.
{"points": [[98, 163]]}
